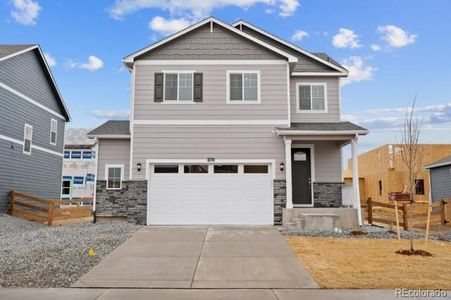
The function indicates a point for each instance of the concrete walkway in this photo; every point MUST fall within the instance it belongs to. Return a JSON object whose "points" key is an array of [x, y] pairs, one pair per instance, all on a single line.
{"points": [[201, 257], [196, 294]]}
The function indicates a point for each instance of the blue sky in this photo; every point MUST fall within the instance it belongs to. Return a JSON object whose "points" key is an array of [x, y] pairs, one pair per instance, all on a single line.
{"points": [[395, 49]]}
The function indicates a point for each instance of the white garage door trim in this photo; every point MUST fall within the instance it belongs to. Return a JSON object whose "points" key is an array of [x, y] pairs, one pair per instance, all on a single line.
{"points": [[240, 162]]}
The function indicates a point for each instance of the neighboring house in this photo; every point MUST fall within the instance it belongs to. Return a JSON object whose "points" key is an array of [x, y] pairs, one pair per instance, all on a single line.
{"points": [[383, 171], [229, 125], [32, 121], [440, 179], [79, 165]]}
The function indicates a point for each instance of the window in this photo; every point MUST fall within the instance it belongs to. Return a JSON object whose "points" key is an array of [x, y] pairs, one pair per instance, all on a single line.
{"points": [[380, 188], [79, 180], [166, 169], [419, 187], [87, 154], [27, 138], [53, 131], [195, 169], [66, 154], [311, 97], [114, 176], [256, 169], [178, 87], [90, 177], [65, 187], [75, 154], [243, 87], [226, 169]]}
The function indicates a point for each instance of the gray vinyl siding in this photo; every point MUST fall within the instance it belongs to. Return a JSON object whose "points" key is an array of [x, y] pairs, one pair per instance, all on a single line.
{"points": [[15, 112], [115, 151], [38, 174], [273, 104], [333, 100], [203, 44], [441, 182], [26, 74], [201, 142]]}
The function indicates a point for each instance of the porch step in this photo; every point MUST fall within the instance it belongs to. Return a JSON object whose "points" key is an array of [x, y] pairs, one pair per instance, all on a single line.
{"points": [[313, 222]]}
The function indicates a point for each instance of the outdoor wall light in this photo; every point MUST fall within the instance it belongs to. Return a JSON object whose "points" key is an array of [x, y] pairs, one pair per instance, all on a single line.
{"points": [[282, 166], [138, 167]]}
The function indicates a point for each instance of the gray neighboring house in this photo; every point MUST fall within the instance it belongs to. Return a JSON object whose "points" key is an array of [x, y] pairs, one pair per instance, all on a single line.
{"points": [[440, 177], [32, 121], [229, 125]]}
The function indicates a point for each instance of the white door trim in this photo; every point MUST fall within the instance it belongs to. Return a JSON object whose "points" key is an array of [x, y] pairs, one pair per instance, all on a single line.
{"points": [[312, 170]]}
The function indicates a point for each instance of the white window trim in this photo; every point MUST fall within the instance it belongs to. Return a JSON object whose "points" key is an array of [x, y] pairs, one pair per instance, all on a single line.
{"points": [[108, 166], [24, 138], [311, 111], [178, 101], [258, 101], [52, 121]]}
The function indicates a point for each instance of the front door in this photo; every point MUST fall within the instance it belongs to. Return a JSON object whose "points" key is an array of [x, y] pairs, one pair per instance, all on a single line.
{"points": [[301, 177]]}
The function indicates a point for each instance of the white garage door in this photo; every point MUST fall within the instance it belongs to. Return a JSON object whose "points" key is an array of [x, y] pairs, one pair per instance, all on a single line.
{"points": [[213, 194]]}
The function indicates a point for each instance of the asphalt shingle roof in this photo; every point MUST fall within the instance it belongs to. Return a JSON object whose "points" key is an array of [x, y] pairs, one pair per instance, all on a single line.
{"points": [[441, 162], [6, 50], [112, 127], [333, 126], [77, 136]]}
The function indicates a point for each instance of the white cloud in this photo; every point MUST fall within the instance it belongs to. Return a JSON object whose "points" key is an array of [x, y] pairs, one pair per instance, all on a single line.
{"points": [[299, 35], [25, 11], [167, 27], [346, 38], [395, 36], [111, 114], [392, 118], [50, 59], [376, 47], [196, 9], [93, 64], [358, 70]]}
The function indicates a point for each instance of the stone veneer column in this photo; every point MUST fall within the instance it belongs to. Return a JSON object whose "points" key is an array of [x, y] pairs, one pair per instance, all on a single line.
{"points": [[280, 198], [327, 194]]}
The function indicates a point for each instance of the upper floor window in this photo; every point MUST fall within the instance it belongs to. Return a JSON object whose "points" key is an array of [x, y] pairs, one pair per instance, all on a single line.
{"points": [[66, 154], [87, 154], [243, 87], [27, 138], [53, 131], [178, 86], [75, 155], [311, 97]]}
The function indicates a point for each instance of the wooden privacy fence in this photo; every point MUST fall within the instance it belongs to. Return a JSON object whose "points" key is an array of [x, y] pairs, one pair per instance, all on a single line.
{"points": [[379, 212], [48, 211]]}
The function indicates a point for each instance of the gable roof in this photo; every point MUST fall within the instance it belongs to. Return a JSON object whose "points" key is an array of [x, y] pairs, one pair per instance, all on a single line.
{"points": [[77, 136], [330, 128], [440, 163], [9, 51], [111, 129], [129, 60], [320, 57]]}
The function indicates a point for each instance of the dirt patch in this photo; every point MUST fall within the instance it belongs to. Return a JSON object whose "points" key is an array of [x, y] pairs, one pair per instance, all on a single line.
{"points": [[358, 232], [373, 263], [413, 252]]}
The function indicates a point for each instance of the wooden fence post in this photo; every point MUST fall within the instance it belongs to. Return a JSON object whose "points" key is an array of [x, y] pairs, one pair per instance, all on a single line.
{"points": [[405, 212], [11, 202], [370, 211], [50, 213]]}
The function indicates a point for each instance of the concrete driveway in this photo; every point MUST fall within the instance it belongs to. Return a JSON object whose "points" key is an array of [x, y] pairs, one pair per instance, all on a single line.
{"points": [[201, 257]]}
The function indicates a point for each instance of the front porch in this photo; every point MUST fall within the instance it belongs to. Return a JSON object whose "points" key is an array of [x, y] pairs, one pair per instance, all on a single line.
{"points": [[313, 158]]}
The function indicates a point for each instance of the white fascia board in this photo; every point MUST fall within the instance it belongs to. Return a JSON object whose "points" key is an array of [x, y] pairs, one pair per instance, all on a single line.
{"points": [[321, 132], [210, 62], [131, 57], [109, 136], [340, 74], [209, 122], [303, 51], [444, 164]]}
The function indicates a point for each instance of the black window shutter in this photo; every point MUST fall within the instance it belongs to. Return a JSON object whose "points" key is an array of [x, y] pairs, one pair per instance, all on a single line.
{"points": [[158, 87], [198, 87]]}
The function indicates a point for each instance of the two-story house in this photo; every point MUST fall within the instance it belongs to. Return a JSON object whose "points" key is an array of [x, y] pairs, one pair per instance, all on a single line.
{"points": [[229, 125], [32, 121]]}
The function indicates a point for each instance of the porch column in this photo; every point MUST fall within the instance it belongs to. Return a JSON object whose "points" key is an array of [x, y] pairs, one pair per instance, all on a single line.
{"points": [[355, 179], [288, 172]]}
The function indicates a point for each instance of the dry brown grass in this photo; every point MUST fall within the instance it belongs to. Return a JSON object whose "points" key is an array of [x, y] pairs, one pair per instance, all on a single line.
{"points": [[372, 263]]}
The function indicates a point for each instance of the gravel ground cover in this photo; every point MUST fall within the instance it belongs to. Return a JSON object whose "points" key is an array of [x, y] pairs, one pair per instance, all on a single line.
{"points": [[35, 255], [373, 232]]}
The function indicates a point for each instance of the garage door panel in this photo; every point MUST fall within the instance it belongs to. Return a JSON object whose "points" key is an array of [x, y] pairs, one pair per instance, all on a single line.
{"points": [[209, 198]]}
